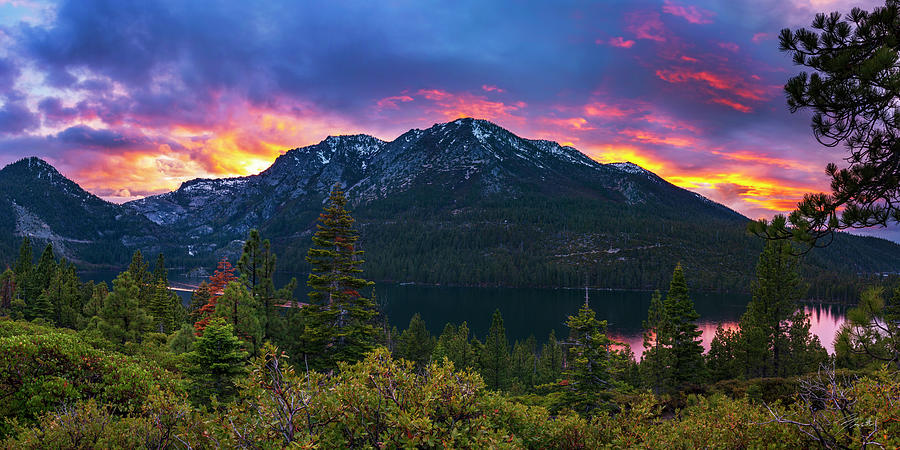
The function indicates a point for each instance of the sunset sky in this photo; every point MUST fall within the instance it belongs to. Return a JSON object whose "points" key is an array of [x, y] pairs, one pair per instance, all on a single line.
{"points": [[131, 98]]}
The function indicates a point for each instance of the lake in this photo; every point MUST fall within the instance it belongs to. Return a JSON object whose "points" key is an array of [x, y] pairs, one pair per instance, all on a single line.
{"points": [[529, 311]]}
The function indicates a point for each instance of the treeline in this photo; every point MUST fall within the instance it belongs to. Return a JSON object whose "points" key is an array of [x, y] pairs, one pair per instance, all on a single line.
{"points": [[245, 365]]}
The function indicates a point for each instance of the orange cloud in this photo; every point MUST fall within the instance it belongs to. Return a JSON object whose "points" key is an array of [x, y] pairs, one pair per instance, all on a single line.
{"points": [[598, 109], [453, 106], [652, 138], [733, 105], [717, 81], [573, 123]]}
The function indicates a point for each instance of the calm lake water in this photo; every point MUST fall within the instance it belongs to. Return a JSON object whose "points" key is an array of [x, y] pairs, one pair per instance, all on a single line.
{"points": [[537, 311]]}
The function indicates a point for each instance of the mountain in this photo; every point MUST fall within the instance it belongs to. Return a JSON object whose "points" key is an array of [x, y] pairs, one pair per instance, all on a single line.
{"points": [[37, 201], [465, 202]]}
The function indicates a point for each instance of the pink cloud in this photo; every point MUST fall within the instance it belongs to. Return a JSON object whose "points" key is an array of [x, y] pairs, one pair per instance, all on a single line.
{"points": [[646, 25], [391, 102], [690, 13], [452, 106], [598, 109], [722, 82], [730, 46], [733, 104], [621, 42], [759, 37], [491, 88]]}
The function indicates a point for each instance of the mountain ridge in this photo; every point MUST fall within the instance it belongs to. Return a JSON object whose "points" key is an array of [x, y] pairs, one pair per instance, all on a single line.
{"points": [[462, 202]]}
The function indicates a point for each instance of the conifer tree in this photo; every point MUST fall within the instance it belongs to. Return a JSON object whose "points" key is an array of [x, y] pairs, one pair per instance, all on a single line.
{"points": [[122, 319], [59, 302], [681, 335], [454, 344], [223, 275], [240, 310], [216, 362], [342, 317], [550, 363], [163, 304], [872, 330], [23, 270], [143, 279], [765, 326], [94, 305], [257, 268], [199, 298], [39, 280], [590, 364], [416, 343], [654, 361], [495, 361], [7, 290], [724, 360], [524, 362]]}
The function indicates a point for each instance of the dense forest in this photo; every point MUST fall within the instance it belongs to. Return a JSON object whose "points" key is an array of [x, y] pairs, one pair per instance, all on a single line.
{"points": [[246, 365]]}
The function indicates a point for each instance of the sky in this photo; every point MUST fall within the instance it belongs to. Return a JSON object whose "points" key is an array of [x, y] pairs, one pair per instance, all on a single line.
{"points": [[130, 99]]}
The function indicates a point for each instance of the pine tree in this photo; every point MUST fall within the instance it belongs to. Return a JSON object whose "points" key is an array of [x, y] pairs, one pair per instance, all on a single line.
{"points": [[454, 345], [59, 303], [121, 318], [550, 363], [724, 358], [257, 267], [681, 335], [40, 280], [495, 360], [240, 310], [94, 305], [590, 365], [524, 363], [343, 319], [416, 344], [140, 274], [766, 323], [223, 275], [216, 362], [7, 290], [654, 361], [163, 304], [199, 298], [872, 330], [24, 271]]}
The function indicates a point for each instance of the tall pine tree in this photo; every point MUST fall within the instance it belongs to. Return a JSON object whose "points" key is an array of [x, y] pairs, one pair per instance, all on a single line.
{"points": [[495, 359], [681, 335], [654, 361], [257, 268], [340, 318]]}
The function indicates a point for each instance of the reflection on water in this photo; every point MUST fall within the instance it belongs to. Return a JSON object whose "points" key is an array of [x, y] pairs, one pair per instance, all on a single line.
{"points": [[538, 311]]}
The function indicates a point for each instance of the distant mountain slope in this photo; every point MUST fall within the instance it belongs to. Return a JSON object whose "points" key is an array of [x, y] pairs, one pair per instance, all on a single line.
{"points": [[37, 201], [465, 202]]}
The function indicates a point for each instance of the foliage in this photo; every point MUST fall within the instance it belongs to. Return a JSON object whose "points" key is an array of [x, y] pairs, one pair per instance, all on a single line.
{"points": [[341, 319], [416, 343], [216, 363], [853, 92], [872, 330], [41, 368], [494, 362], [122, 319]]}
